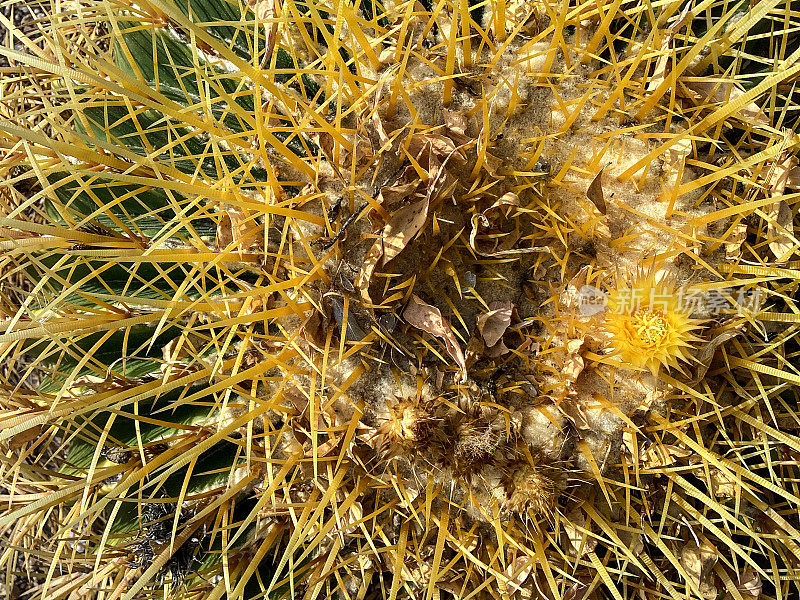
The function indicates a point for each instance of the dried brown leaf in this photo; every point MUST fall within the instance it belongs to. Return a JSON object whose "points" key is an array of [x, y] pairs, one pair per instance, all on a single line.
{"points": [[733, 245], [491, 163], [723, 484], [325, 448], [456, 123], [326, 143], [399, 231], [482, 223], [573, 363], [581, 543], [678, 152], [424, 145], [575, 411], [403, 225], [392, 194], [266, 11], [698, 562], [662, 455], [629, 442], [26, 435], [570, 297], [707, 353], [793, 178], [239, 231], [781, 228], [375, 117], [314, 330], [476, 349], [519, 570], [783, 247], [377, 125], [361, 153], [429, 319], [579, 590], [493, 324], [595, 193], [749, 586]]}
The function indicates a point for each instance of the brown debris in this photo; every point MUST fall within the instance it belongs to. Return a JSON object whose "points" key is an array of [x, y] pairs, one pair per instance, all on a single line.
{"points": [[519, 570], [404, 224], [493, 324], [723, 485], [660, 70], [267, 16], [574, 524], [456, 123], [424, 145], [595, 193], [793, 178], [662, 455], [678, 153], [733, 244], [698, 562], [710, 348], [239, 231], [573, 363], [749, 586], [484, 223], [429, 319], [26, 435], [781, 228], [399, 231], [702, 90]]}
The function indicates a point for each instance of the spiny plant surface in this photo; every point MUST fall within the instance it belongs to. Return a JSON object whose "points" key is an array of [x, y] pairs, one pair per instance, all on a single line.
{"points": [[312, 299]]}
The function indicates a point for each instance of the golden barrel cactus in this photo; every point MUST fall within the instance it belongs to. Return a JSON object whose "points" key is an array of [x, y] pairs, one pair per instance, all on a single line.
{"points": [[399, 299]]}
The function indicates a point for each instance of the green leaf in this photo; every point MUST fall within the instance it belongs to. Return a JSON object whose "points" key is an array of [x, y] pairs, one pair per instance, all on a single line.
{"points": [[113, 277], [166, 63], [241, 36], [144, 210], [123, 432], [149, 133], [237, 33], [136, 345]]}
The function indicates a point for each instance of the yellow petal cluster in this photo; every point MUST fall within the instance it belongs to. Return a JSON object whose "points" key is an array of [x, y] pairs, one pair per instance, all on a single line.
{"points": [[650, 324]]}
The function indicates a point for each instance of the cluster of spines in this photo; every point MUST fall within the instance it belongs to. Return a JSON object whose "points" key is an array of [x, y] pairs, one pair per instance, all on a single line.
{"points": [[472, 445]]}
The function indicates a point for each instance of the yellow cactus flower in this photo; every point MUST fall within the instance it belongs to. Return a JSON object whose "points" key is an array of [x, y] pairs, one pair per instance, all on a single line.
{"points": [[651, 324]]}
